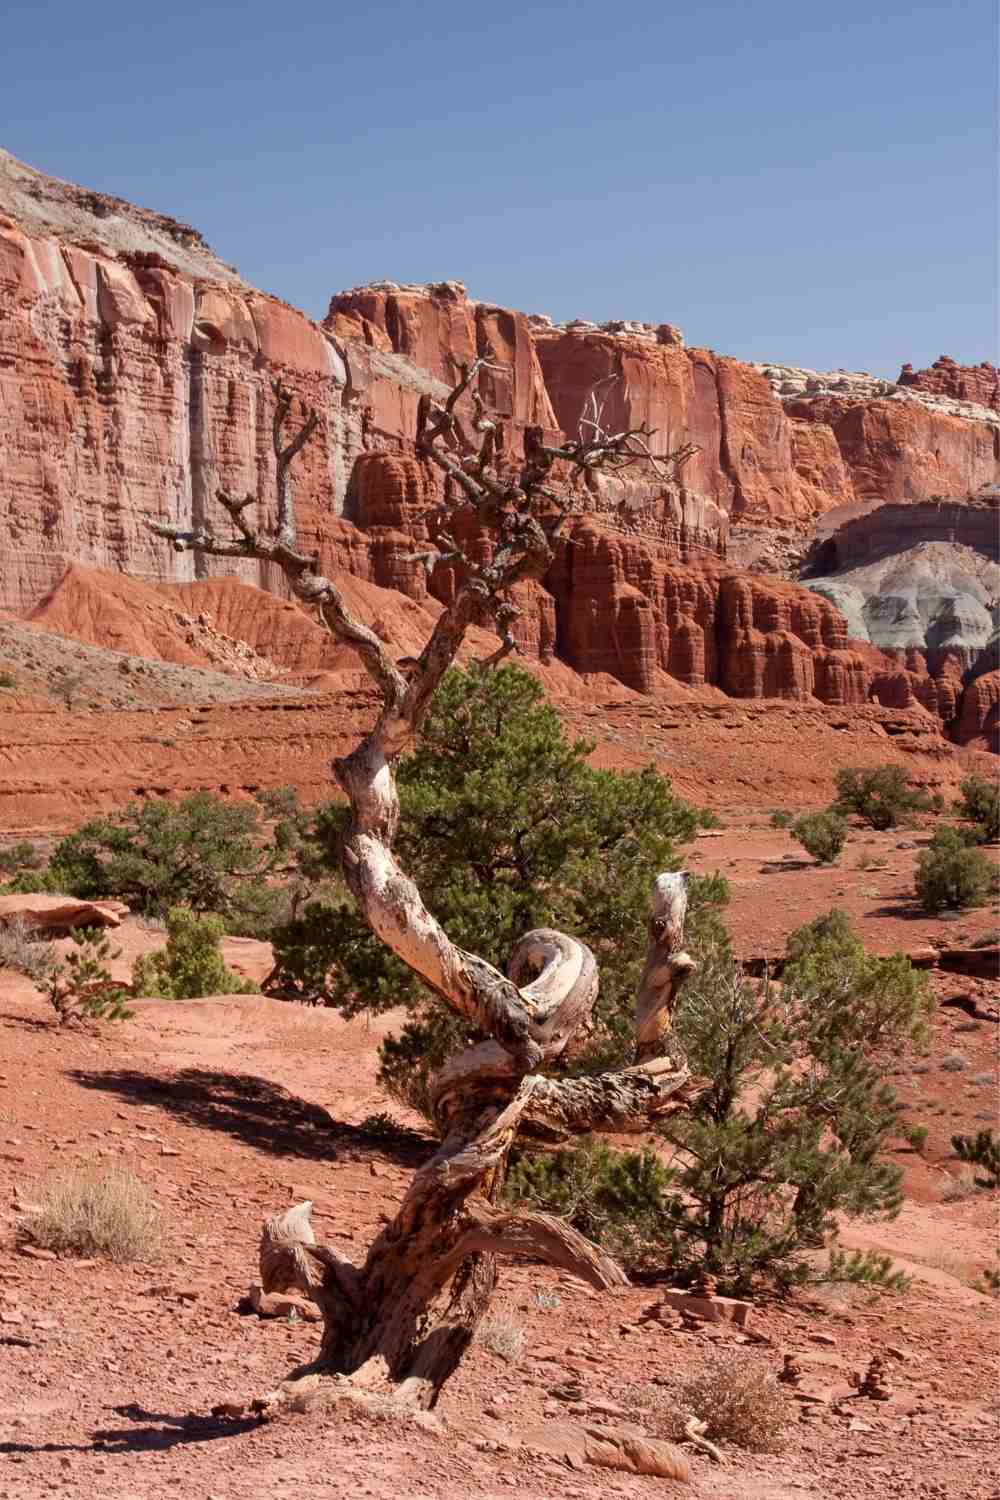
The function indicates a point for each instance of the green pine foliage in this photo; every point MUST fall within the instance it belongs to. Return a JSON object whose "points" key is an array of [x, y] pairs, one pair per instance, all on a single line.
{"points": [[81, 986], [616, 1198], [792, 1132], [881, 796], [200, 852], [505, 827], [19, 857], [951, 875], [821, 834], [190, 965], [794, 1126], [979, 808], [980, 1150]]}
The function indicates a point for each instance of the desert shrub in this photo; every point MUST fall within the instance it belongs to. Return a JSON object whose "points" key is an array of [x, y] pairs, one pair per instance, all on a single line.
{"points": [[502, 1336], [954, 1062], [989, 1281], [505, 827], [782, 819], [201, 852], [111, 1215], [191, 964], [7, 681], [738, 1402], [961, 1186], [979, 807], [914, 1135], [881, 796], [821, 834], [981, 1150], [798, 1117], [23, 952], [951, 875], [615, 1198], [68, 688], [81, 986], [20, 856], [793, 1131], [988, 939]]}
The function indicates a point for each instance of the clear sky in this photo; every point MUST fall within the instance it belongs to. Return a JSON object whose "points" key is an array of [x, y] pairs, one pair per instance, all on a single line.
{"points": [[813, 184]]}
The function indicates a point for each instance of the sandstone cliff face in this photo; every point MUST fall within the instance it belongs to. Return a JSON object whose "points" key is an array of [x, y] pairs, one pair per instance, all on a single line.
{"points": [[978, 383], [135, 380]]}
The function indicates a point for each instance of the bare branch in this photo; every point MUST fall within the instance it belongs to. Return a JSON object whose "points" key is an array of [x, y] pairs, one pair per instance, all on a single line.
{"points": [[543, 1236]]}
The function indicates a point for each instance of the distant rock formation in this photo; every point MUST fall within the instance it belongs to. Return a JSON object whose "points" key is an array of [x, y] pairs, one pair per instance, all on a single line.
{"points": [[978, 384], [136, 375]]}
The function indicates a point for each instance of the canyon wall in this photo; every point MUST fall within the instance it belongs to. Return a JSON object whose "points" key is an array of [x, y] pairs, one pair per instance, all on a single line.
{"points": [[136, 373]]}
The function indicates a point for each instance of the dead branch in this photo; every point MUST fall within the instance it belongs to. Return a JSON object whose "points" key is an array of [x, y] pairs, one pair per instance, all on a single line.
{"points": [[404, 1318]]}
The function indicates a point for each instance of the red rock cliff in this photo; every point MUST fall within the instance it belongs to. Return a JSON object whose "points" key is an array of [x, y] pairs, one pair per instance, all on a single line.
{"points": [[135, 380]]}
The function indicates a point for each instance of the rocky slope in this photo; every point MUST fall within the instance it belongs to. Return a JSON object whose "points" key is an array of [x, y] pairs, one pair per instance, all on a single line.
{"points": [[135, 380]]}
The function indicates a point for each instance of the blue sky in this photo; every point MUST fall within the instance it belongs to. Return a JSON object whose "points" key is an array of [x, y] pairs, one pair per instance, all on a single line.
{"points": [[785, 181]]}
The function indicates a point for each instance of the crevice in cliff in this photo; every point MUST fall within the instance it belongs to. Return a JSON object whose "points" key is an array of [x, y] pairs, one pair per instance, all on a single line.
{"points": [[202, 455]]}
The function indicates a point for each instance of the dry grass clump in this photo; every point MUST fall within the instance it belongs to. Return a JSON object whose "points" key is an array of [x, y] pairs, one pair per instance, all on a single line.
{"points": [[954, 1062], [502, 1336], [21, 951], [738, 1402], [961, 1185], [111, 1216]]}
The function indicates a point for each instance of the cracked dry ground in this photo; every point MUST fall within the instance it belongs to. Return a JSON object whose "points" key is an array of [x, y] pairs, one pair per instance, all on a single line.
{"points": [[230, 1108]]}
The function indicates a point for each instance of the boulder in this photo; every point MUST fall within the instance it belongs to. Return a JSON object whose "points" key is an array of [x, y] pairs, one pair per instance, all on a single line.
{"points": [[59, 915]]}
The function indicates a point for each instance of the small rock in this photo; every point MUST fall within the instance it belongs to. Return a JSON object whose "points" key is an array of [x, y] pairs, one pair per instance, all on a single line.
{"points": [[709, 1309], [35, 1252], [824, 1338], [232, 1409]]}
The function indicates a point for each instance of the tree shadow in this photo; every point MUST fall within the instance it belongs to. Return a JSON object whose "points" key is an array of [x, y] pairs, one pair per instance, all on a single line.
{"points": [[158, 1432], [256, 1111]]}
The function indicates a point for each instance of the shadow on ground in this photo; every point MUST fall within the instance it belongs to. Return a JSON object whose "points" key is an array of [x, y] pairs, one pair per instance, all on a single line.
{"points": [[159, 1430], [256, 1111]]}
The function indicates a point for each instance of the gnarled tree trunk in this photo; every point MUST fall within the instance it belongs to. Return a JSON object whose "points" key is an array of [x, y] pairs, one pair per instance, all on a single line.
{"points": [[402, 1319]]}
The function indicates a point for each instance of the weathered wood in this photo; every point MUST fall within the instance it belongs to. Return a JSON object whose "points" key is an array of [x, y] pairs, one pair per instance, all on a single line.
{"points": [[403, 1319]]}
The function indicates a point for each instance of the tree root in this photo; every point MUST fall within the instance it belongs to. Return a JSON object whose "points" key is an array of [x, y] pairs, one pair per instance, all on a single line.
{"points": [[320, 1390]]}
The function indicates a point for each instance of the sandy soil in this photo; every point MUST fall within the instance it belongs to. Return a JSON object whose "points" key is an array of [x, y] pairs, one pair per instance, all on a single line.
{"points": [[233, 1107]]}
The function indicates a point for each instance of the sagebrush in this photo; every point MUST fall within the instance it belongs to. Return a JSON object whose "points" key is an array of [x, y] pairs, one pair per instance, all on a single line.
{"points": [[22, 951], [111, 1215]]}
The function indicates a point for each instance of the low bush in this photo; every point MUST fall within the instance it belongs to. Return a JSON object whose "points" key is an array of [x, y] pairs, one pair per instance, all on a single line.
{"points": [[201, 852], [502, 1336], [112, 1216], [23, 952], [738, 1402], [881, 796], [821, 834], [20, 856], [979, 807], [782, 819], [81, 987], [951, 875], [190, 965], [981, 1150]]}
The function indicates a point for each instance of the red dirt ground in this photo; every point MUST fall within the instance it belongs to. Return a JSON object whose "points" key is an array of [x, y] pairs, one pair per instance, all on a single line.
{"points": [[231, 1108]]}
